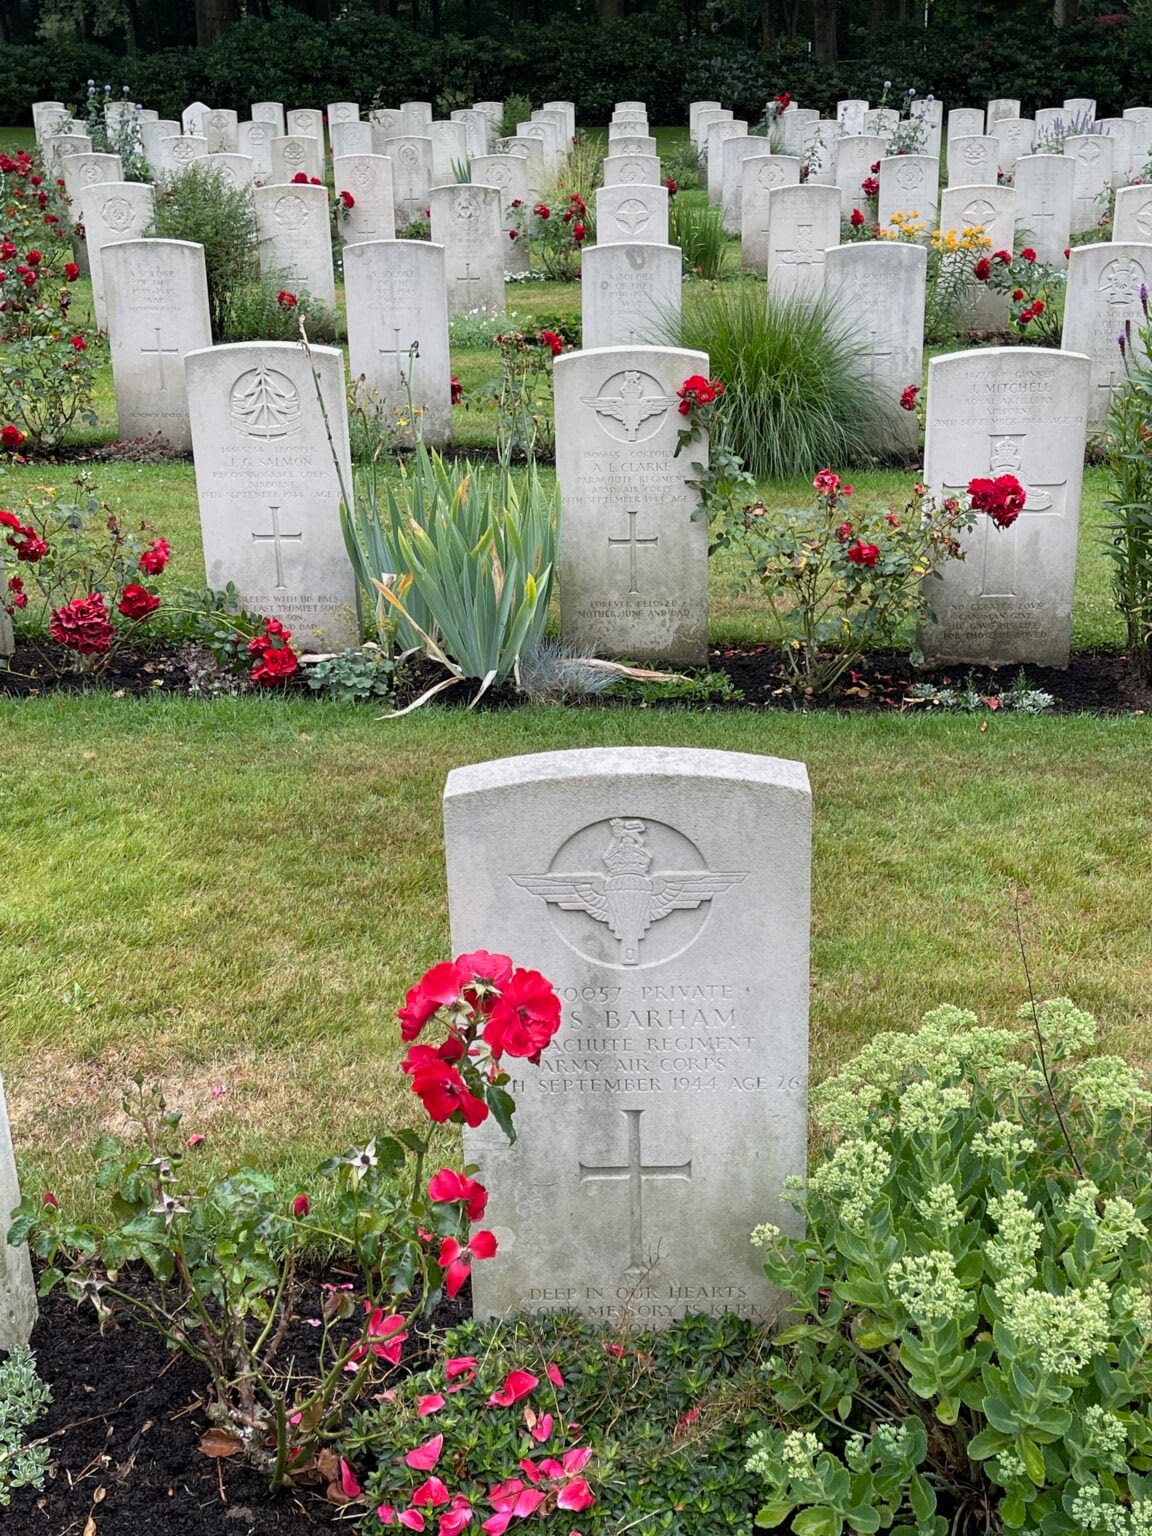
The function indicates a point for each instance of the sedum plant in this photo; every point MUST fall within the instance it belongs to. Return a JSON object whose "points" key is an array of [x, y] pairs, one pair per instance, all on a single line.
{"points": [[463, 560], [970, 1349], [23, 1398]]}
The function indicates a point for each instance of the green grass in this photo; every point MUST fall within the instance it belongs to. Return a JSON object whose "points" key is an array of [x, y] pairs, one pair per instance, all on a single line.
{"points": [[241, 891]]}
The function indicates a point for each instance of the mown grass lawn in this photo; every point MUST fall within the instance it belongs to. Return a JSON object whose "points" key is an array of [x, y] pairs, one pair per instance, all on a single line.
{"points": [[238, 892]]}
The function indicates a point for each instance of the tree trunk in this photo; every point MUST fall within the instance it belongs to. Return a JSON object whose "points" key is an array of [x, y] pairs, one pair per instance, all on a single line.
{"points": [[824, 30], [213, 19], [1063, 11]]}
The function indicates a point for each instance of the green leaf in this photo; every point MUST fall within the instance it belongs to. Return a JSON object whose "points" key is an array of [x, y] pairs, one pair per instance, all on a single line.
{"points": [[503, 1107], [1033, 1458], [922, 1498], [989, 1442], [773, 1514], [820, 1520]]}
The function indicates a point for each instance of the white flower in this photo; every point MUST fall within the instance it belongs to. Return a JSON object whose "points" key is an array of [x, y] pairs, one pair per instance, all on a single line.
{"points": [[927, 1286]]}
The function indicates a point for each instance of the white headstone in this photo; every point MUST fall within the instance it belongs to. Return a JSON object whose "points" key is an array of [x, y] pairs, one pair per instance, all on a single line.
{"points": [[633, 559], [633, 215], [1001, 110], [296, 155], [509, 175], [908, 185], [305, 123], [267, 487], [342, 112], [973, 160], [704, 119], [494, 112], [1014, 136], [634, 144], [855, 158], [733, 153], [449, 151], [477, 131], [233, 170], [879, 288], [368, 180], [384, 120], [83, 171], [1120, 130], [694, 110], [18, 1305], [1050, 121], [993, 210], [671, 1107], [255, 141], [531, 151], [150, 137], [1101, 304], [220, 131], [351, 138], [568, 109], [411, 178], [1141, 120], [468, 221], [630, 294], [192, 118], [850, 115], [174, 156], [1018, 411], [415, 117], [881, 122], [821, 152], [270, 112], [58, 146], [157, 297], [52, 112], [1081, 109], [802, 223], [1092, 157], [761, 174], [632, 171], [718, 135], [1044, 186], [549, 139], [1132, 214], [113, 211], [295, 235], [396, 298], [965, 123]]}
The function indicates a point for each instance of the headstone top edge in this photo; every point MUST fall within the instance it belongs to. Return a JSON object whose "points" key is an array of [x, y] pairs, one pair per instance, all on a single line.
{"points": [[569, 360], [185, 245], [974, 357], [591, 763], [282, 347]]}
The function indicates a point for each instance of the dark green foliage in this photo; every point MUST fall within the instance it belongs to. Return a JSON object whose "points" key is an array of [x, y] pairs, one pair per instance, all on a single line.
{"points": [[664, 1413], [798, 397], [255, 313], [200, 205]]}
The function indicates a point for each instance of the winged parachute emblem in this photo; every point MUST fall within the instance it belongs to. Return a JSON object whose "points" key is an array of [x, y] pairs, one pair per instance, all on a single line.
{"points": [[628, 899], [631, 407]]}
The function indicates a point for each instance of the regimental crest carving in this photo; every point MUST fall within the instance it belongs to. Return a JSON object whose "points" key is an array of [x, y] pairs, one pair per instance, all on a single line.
{"points": [[770, 175], [218, 121], [632, 175], [1089, 154], [1007, 458], [466, 209], [343, 114], [636, 257], [294, 154], [408, 155], [290, 211], [184, 151], [364, 175], [626, 876], [226, 174], [499, 176], [631, 406], [975, 154], [979, 212], [632, 216], [265, 404], [257, 133], [90, 174], [1143, 219], [1120, 281], [910, 178], [118, 214]]}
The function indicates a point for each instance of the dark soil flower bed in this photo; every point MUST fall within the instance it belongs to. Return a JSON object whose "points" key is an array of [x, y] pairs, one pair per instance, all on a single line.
{"points": [[1093, 683]]}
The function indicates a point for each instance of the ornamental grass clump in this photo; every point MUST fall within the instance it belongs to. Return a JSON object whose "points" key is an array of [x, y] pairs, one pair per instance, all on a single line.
{"points": [[798, 392], [972, 1344]]}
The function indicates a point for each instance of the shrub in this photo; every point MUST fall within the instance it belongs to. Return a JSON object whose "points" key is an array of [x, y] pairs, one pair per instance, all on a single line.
{"points": [[647, 1428], [199, 205], [266, 308], [463, 558], [554, 231], [971, 1350], [23, 1397], [798, 395], [699, 232], [517, 110]]}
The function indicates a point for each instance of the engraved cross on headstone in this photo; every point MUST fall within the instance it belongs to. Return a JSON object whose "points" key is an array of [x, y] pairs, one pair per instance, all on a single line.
{"points": [[635, 1172], [160, 352], [467, 278], [632, 543], [277, 540], [875, 354], [395, 350]]}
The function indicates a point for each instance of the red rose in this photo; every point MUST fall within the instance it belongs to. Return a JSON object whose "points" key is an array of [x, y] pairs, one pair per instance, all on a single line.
{"points": [[909, 396], [29, 279], [457, 390], [18, 598], [554, 343], [1028, 254], [137, 602], [844, 532], [82, 625], [856, 218], [274, 666], [79, 344], [301, 1206], [982, 271], [1004, 257], [1017, 295], [579, 232], [512, 234], [672, 186], [864, 554], [11, 438], [155, 557], [1038, 307], [347, 199], [285, 299], [445, 1095], [300, 179], [870, 187], [50, 218], [33, 258], [875, 167], [525, 1017], [542, 211], [1002, 499]]}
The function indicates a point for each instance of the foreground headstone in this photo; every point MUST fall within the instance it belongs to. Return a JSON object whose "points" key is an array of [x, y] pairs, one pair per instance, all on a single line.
{"points": [[467, 220], [630, 294], [879, 287], [396, 299], [1019, 411], [17, 1287], [665, 893], [1102, 303], [267, 486], [296, 238], [157, 297], [633, 559]]}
